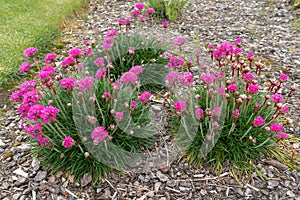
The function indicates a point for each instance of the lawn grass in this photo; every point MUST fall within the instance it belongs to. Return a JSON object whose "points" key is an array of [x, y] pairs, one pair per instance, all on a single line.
{"points": [[26, 23]]}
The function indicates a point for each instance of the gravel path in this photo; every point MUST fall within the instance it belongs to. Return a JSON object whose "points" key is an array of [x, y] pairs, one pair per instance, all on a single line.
{"points": [[266, 29]]}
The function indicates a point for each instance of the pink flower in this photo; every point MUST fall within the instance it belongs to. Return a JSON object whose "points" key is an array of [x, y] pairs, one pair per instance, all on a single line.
{"points": [[225, 49], [248, 77], [211, 46], [208, 78], [165, 24], [284, 109], [167, 55], [237, 51], [179, 41], [283, 77], [106, 46], [199, 113], [250, 55], [31, 97], [49, 114], [275, 128], [69, 61], [46, 72], [99, 62], [172, 77], [129, 77], [116, 86], [30, 52], [35, 111], [127, 21], [180, 106], [101, 73], [86, 83], [216, 111], [135, 13], [282, 135], [133, 105], [232, 87], [256, 106], [23, 109], [131, 50], [136, 69], [143, 18], [99, 134], [277, 98], [236, 113], [258, 121], [222, 90], [106, 95], [35, 130], [119, 115], [186, 79], [238, 40], [86, 42], [175, 62], [88, 51], [43, 141], [67, 83], [253, 89], [140, 6], [144, 97], [25, 67], [112, 33], [50, 58], [17, 96], [149, 11], [75, 53], [28, 86], [68, 142]]}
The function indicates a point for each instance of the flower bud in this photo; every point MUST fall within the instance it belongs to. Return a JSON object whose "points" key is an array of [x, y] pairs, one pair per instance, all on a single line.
{"points": [[197, 96], [279, 105], [69, 105], [112, 112], [50, 102], [267, 129], [130, 132], [87, 73], [112, 127], [86, 154], [92, 99], [126, 105]]}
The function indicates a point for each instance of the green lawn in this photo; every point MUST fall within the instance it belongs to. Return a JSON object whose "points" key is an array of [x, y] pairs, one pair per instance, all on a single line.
{"points": [[26, 23]]}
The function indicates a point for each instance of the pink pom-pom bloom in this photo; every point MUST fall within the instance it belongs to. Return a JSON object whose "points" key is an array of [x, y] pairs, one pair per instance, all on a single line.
{"points": [[225, 49], [86, 83], [283, 77], [232, 88], [68, 142], [258, 121], [129, 77], [99, 62], [67, 83], [180, 106], [208, 78], [275, 128], [144, 97], [119, 115], [175, 62], [282, 135], [165, 24], [136, 69], [101, 73], [25, 67], [284, 109], [106, 95], [135, 13], [143, 18], [43, 141], [179, 41], [186, 79], [50, 58], [199, 113], [35, 112], [256, 106], [31, 97], [211, 46], [28, 86], [69, 61], [253, 89], [75, 53], [140, 6], [17, 96], [99, 134], [250, 55], [237, 51], [277, 98], [133, 105], [49, 114], [116, 85], [238, 40], [86, 42], [35, 130], [236, 113], [248, 77], [172, 77], [46, 72], [30, 52], [112, 33], [149, 11]]}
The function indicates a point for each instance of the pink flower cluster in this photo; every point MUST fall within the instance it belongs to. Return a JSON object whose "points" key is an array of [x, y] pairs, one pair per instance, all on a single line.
{"points": [[144, 97], [30, 52], [129, 77], [180, 106], [175, 62], [68, 83], [99, 134]]}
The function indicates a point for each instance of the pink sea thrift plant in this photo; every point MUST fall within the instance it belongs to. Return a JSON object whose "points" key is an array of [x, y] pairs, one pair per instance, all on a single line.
{"points": [[99, 134], [140, 6], [180, 106], [275, 128], [86, 83], [50, 58], [258, 121], [186, 79], [30, 52], [25, 67], [144, 97], [68, 83], [165, 24], [172, 77], [277, 98], [101, 73], [129, 77], [175, 62], [68, 142], [75, 53], [136, 69], [149, 11]]}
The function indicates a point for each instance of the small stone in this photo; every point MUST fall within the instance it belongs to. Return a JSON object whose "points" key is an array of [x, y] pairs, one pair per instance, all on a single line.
{"points": [[203, 192], [2, 143], [162, 177], [33, 195], [240, 192], [41, 175], [171, 183], [157, 186], [290, 194], [86, 179], [20, 172], [184, 189], [16, 196]]}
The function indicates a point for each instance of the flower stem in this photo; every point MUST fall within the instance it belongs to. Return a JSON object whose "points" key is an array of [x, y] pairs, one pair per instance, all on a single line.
{"points": [[246, 132]]}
